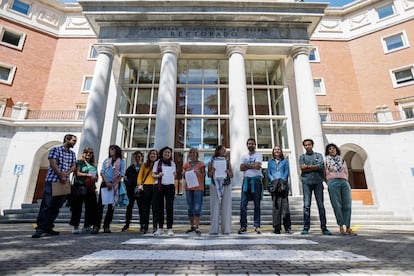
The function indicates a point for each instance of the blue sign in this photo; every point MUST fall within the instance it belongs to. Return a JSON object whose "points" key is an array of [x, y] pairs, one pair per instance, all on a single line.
{"points": [[18, 169]]}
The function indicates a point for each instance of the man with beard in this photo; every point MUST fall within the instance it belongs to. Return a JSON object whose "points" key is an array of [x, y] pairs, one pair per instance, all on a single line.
{"points": [[62, 162], [252, 187]]}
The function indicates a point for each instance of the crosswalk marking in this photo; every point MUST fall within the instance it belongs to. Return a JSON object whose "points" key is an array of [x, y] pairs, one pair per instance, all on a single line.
{"points": [[218, 241], [227, 255]]}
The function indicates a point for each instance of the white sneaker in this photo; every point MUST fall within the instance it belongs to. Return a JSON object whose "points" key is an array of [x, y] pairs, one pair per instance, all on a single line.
{"points": [[75, 230], [158, 232], [170, 232]]}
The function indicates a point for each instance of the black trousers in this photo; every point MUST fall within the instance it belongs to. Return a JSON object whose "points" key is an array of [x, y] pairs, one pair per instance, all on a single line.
{"points": [[132, 199], [77, 202], [167, 193]]}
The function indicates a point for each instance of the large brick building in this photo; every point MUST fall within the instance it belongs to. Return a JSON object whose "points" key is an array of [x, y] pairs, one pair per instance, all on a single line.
{"points": [[146, 74]]}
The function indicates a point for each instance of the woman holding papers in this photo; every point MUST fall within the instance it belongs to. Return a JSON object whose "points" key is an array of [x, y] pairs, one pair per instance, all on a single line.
{"points": [[164, 174], [194, 174], [84, 192], [219, 169], [113, 169]]}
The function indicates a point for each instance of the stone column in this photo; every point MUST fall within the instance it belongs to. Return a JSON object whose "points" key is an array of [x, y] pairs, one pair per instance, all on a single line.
{"points": [[310, 120], [97, 100], [165, 122], [238, 110]]}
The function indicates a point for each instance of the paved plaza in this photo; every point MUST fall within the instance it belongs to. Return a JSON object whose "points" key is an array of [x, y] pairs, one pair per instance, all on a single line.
{"points": [[379, 250]]}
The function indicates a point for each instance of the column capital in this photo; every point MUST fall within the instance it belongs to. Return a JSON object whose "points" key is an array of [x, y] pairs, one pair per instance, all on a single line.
{"points": [[173, 48], [300, 50], [236, 48], [108, 49]]}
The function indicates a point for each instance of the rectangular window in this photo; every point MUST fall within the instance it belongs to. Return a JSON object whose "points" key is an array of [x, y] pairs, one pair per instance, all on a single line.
{"points": [[409, 113], [385, 11], [86, 85], [21, 7], [394, 42], [93, 54], [402, 77], [7, 73], [319, 86], [12, 39], [314, 55]]}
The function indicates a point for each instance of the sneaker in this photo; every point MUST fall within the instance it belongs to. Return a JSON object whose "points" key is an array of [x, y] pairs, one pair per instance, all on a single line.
{"points": [[242, 230], [125, 228], [288, 231], [38, 234], [326, 232], [170, 232], [75, 230], [257, 230], [107, 230], [342, 231], [304, 232], [158, 232], [52, 232], [95, 230], [192, 229], [276, 232], [86, 230], [197, 231], [213, 234]]}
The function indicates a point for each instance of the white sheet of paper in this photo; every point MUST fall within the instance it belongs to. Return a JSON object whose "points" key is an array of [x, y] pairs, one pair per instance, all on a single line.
{"points": [[220, 166], [107, 196], [168, 176], [191, 179]]}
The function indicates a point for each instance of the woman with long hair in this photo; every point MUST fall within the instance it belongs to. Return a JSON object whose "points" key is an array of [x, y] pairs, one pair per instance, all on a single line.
{"points": [[220, 192], [84, 192], [277, 174], [113, 169], [145, 182], [164, 172]]}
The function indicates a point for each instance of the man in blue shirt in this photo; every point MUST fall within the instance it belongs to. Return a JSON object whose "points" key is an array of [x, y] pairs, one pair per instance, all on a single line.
{"points": [[312, 167], [62, 162]]}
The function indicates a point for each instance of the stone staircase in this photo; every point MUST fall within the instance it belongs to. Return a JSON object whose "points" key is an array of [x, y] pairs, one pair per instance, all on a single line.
{"points": [[361, 214]]}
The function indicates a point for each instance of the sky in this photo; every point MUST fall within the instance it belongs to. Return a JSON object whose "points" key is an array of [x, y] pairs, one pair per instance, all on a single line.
{"points": [[332, 3]]}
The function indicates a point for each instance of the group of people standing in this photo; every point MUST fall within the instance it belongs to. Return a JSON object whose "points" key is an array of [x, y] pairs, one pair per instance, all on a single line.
{"points": [[153, 181]]}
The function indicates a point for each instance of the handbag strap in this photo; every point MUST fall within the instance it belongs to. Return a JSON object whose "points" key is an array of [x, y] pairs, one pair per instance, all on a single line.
{"points": [[143, 181]]}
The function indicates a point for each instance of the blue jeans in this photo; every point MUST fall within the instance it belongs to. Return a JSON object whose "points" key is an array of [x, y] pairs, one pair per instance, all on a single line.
{"points": [[256, 197], [49, 208], [317, 189], [194, 202]]}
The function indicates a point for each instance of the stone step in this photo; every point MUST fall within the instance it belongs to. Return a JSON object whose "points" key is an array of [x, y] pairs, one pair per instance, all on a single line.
{"points": [[361, 214]]}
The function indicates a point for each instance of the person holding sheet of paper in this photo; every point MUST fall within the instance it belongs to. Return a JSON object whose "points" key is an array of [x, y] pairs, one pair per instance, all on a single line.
{"points": [[113, 170], [62, 162], [164, 174], [194, 174], [220, 194]]}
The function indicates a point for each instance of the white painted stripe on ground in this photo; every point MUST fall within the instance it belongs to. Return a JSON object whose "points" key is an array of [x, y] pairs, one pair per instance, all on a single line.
{"points": [[219, 241], [227, 255]]}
